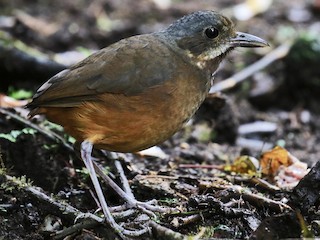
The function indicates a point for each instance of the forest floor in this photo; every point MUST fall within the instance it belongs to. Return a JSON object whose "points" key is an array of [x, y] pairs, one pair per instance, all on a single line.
{"points": [[223, 171]]}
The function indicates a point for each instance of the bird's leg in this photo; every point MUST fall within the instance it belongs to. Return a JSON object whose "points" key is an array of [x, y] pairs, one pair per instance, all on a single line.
{"points": [[146, 207], [86, 150], [124, 180]]}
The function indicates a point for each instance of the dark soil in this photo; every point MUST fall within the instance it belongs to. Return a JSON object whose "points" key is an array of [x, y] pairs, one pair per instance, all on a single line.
{"points": [[211, 138]]}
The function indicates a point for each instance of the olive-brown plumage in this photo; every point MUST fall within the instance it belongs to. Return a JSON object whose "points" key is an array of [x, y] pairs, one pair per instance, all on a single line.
{"points": [[138, 92], [132, 95]]}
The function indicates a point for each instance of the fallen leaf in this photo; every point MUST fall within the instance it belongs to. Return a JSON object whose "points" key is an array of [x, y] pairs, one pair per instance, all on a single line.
{"points": [[9, 102], [244, 165], [270, 161]]}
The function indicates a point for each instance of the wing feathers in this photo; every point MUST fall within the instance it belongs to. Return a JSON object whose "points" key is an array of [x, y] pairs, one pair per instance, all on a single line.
{"points": [[122, 68]]}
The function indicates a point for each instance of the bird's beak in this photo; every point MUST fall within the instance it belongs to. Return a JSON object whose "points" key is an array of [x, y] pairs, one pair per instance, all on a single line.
{"points": [[247, 40]]}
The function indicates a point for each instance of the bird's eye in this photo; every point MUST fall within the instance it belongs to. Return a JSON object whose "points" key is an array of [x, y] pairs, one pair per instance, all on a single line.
{"points": [[211, 32]]}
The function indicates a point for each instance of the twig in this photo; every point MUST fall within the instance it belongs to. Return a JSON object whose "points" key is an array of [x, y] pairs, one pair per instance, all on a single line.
{"points": [[38, 25], [255, 199], [204, 166], [274, 55], [182, 221], [50, 134], [63, 209], [259, 182], [73, 229], [161, 232], [259, 200]]}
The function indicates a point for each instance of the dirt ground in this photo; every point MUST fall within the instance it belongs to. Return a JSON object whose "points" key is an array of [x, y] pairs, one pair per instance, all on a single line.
{"points": [[45, 189]]}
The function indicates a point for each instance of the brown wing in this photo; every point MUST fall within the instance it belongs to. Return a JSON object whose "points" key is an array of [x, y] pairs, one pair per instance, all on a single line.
{"points": [[128, 67]]}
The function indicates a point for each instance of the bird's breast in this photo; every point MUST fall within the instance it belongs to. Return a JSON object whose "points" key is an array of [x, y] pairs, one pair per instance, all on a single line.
{"points": [[132, 123]]}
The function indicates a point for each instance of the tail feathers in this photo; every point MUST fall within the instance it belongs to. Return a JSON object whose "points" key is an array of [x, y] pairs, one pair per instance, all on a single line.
{"points": [[35, 109]]}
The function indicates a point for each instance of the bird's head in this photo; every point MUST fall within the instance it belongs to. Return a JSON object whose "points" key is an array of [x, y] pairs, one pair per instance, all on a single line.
{"points": [[208, 35]]}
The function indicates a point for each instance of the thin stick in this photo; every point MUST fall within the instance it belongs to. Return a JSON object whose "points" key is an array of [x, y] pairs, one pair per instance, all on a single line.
{"points": [[274, 55], [63, 209], [51, 135], [62, 234], [162, 232]]}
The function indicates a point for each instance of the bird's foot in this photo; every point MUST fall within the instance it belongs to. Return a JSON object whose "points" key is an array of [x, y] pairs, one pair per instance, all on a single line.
{"points": [[149, 207], [141, 224]]}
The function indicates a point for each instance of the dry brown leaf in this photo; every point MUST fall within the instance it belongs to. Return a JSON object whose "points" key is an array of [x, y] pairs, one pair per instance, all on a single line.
{"points": [[9, 102], [270, 161]]}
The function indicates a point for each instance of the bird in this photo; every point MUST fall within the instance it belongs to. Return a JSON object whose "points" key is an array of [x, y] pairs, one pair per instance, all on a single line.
{"points": [[139, 91]]}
